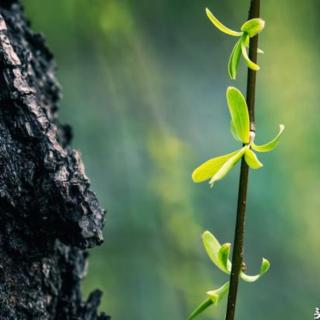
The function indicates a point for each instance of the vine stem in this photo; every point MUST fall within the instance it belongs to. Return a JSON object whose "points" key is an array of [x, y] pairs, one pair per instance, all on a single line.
{"points": [[237, 256]]}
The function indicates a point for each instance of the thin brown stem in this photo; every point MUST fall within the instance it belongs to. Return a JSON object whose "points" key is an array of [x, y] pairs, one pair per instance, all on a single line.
{"points": [[237, 256]]}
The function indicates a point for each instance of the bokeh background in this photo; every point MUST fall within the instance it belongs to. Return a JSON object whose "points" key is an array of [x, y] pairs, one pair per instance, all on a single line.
{"points": [[144, 89]]}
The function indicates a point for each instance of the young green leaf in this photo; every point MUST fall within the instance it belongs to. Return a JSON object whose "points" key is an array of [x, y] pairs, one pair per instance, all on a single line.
{"points": [[252, 159], [233, 132], [212, 247], [228, 165], [223, 257], [247, 41], [270, 145], [250, 63], [217, 295], [202, 307], [234, 60], [253, 26], [220, 26], [239, 114], [265, 266], [209, 168]]}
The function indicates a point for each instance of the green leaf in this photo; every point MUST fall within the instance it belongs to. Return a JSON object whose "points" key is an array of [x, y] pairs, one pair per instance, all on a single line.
{"points": [[217, 295], [234, 60], [228, 165], [209, 168], [223, 257], [212, 247], [270, 145], [202, 307], [252, 159], [253, 27], [250, 63], [233, 132], [220, 26], [247, 41], [265, 266], [218, 254], [239, 114]]}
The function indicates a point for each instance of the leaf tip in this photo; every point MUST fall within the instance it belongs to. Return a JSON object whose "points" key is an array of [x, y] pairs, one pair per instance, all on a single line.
{"points": [[194, 176], [205, 234], [230, 89], [226, 245], [265, 265]]}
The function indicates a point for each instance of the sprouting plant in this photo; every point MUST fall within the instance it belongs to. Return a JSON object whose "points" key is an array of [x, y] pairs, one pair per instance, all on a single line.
{"points": [[248, 30], [242, 113], [219, 255], [217, 168]]}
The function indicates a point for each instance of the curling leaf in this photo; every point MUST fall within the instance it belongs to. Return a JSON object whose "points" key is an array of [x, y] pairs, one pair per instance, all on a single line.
{"points": [[220, 26], [239, 114], [250, 63], [234, 60], [209, 168], [228, 165], [253, 26], [265, 266], [270, 145], [202, 307], [247, 41], [223, 257], [252, 159]]}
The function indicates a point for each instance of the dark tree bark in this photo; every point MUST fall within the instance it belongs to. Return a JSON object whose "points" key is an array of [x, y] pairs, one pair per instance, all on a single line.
{"points": [[49, 215]]}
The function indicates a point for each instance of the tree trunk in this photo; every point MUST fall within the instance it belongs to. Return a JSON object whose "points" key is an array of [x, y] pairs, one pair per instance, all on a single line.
{"points": [[49, 215]]}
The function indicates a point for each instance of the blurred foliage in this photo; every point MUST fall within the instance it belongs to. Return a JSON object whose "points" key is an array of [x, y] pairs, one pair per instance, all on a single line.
{"points": [[144, 87]]}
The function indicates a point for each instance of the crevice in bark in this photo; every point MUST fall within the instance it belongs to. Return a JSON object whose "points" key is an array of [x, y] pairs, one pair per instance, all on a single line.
{"points": [[49, 215]]}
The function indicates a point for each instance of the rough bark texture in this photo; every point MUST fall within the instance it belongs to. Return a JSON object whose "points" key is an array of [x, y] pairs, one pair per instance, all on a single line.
{"points": [[49, 215]]}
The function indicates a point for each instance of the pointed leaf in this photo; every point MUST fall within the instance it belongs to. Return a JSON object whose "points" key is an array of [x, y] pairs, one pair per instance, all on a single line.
{"points": [[270, 145], [265, 266], [234, 60], [209, 168], [252, 159], [217, 295], [202, 307], [228, 165], [223, 257], [220, 26], [253, 26], [239, 113], [250, 64]]}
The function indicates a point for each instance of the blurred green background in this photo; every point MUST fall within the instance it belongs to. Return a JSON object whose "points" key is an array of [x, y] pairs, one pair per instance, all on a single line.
{"points": [[144, 89]]}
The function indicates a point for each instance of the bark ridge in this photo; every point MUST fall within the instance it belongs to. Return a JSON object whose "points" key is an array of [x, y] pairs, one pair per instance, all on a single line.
{"points": [[49, 215]]}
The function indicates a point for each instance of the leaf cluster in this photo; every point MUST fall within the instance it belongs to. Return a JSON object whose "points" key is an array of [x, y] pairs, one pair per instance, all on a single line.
{"points": [[248, 30], [219, 255], [217, 168]]}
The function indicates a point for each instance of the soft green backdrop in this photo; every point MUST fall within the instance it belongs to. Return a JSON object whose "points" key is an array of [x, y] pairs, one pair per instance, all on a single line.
{"points": [[144, 89]]}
